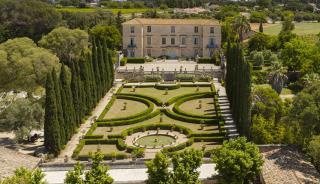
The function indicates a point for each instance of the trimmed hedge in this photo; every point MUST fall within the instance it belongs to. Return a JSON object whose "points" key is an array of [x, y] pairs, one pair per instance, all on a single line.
{"points": [[129, 97], [128, 121], [176, 98], [152, 78], [185, 77], [135, 60], [209, 139], [167, 86], [78, 149], [123, 61], [179, 117], [178, 147], [110, 156], [177, 109], [152, 99], [106, 109], [206, 60]]}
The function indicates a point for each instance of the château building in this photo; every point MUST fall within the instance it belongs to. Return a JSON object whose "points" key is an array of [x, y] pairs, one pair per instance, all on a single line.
{"points": [[174, 38]]}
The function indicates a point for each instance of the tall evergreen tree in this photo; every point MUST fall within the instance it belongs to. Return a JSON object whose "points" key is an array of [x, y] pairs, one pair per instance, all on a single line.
{"points": [[75, 94], [261, 27], [93, 84], [111, 67], [102, 69], [96, 69], [67, 103], [57, 90], [51, 124], [107, 66]]}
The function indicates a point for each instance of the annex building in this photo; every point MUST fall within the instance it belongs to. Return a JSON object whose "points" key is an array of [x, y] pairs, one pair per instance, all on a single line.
{"points": [[175, 38]]}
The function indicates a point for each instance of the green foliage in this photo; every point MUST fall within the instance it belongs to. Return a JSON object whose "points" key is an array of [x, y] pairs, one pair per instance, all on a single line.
{"points": [[75, 176], [257, 17], [240, 26], [135, 60], [167, 86], [29, 64], [22, 19], [206, 60], [65, 43], [96, 175], [267, 103], [21, 117], [237, 161], [25, 176], [158, 172], [185, 165], [314, 150], [259, 42], [152, 78], [265, 131], [109, 34], [304, 114], [51, 126], [185, 77], [98, 172], [123, 61]]}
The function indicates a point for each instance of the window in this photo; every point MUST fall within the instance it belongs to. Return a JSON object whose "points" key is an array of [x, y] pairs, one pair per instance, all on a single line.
{"points": [[131, 41], [132, 54], [164, 41], [195, 41], [163, 52], [173, 41], [148, 40], [211, 29], [183, 40], [149, 52], [196, 29], [132, 29], [173, 29], [211, 41], [149, 29]]}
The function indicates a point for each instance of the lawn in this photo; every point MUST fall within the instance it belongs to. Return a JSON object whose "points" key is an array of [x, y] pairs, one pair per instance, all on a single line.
{"points": [[193, 106], [301, 28], [160, 94], [104, 148], [113, 10], [117, 110]]}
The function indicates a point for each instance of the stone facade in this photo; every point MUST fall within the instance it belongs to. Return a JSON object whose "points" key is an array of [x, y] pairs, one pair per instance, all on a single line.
{"points": [[174, 38]]}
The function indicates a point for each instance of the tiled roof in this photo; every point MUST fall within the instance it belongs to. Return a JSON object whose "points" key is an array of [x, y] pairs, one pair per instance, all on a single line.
{"points": [[144, 21]]}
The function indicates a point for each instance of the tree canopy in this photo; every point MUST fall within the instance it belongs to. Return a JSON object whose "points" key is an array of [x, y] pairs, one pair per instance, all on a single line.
{"points": [[66, 43], [110, 34], [22, 116], [32, 18], [23, 65], [25, 176], [237, 161]]}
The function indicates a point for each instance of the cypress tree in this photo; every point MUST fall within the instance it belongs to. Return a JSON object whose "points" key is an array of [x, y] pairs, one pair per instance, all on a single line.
{"points": [[81, 92], [75, 94], [96, 69], [107, 66], [111, 67], [51, 124], [92, 80], [102, 69], [67, 104], [57, 89]]}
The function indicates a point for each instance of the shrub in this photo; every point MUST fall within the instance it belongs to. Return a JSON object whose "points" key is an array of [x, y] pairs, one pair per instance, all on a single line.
{"points": [[185, 77], [152, 99], [152, 78], [206, 60], [123, 61], [190, 119], [167, 86], [135, 60], [138, 152], [106, 109], [128, 121], [78, 149], [118, 156]]}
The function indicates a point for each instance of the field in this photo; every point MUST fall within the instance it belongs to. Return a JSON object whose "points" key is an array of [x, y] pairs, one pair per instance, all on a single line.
{"points": [[113, 10], [301, 28], [200, 124]]}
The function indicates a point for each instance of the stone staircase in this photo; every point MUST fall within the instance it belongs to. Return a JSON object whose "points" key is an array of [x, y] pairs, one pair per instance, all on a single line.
{"points": [[230, 125]]}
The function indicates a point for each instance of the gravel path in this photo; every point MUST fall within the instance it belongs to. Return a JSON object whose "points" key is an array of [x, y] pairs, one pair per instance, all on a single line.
{"points": [[86, 126]]}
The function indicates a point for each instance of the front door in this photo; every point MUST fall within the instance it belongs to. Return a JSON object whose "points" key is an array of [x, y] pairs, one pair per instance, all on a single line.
{"points": [[172, 53]]}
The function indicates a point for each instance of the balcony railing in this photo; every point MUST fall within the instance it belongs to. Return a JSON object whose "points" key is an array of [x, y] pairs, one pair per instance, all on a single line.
{"points": [[132, 45]]}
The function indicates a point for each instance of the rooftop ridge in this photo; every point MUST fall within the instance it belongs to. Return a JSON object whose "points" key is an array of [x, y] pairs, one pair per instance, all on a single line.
{"points": [[160, 21]]}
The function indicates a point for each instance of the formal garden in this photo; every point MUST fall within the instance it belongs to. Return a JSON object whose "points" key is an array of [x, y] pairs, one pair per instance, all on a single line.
{"points": [[143, 118]]}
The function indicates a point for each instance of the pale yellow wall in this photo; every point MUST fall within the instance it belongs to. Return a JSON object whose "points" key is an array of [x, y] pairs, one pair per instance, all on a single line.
{"points": [[159, 31]]}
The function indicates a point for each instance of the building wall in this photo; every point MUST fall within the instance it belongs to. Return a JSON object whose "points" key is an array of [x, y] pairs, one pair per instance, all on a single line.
{"points": [[155, 49]]}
